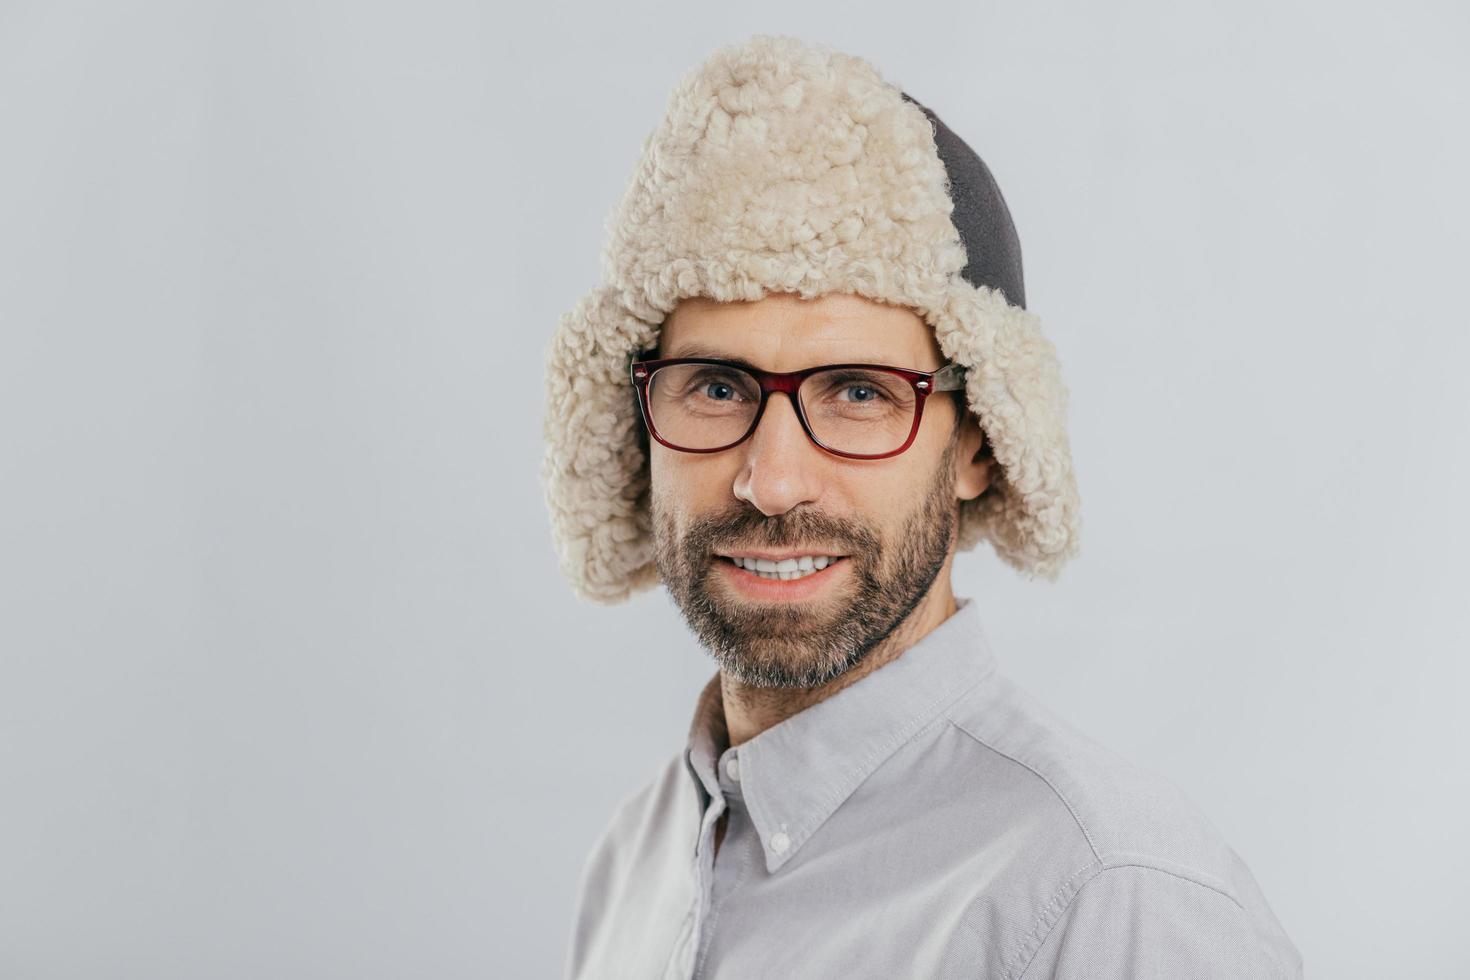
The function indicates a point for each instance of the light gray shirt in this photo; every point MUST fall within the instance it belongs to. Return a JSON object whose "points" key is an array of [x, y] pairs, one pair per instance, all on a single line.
{"points": [[931, 819]]}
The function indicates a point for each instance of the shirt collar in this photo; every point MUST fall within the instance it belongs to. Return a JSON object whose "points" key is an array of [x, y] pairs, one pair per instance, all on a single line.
{"points": [[795, 774]]}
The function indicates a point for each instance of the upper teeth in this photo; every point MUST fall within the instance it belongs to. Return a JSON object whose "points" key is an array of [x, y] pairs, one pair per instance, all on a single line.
{"points": [[786, 567]]}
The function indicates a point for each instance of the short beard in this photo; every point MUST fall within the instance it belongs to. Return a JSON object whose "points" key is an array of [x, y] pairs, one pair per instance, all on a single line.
{"points": [[794, 645]]}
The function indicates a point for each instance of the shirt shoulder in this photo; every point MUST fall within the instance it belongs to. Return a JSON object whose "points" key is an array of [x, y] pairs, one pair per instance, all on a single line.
{"points": [[1125, 813], [629, 877], [643, 815], [1147, 851], [1134, 922]]}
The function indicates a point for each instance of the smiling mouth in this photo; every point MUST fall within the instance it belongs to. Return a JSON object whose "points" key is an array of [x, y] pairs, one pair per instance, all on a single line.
{"points": [[787, 569]]}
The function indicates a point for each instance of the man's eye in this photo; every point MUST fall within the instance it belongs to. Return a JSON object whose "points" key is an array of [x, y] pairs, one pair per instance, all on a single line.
{"points": [[862, 393], [851, 388], [717, 387]]}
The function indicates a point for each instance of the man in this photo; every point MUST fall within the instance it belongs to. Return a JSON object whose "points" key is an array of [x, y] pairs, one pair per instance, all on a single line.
{"points": [[807, 382]]}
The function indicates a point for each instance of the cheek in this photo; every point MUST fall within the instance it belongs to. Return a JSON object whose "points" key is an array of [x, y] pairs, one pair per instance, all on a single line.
{"points": [[886, 498], [686, 482], [889, 495], [937, 424], [880, 493], [667, 474]]}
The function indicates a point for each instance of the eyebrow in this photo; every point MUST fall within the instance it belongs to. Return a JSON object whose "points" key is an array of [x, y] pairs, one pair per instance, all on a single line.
{"points": [[699, 350], [696, 350]]}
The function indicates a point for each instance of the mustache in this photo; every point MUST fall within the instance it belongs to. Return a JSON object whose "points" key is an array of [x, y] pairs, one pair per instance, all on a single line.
{"points": [[746, 526]]}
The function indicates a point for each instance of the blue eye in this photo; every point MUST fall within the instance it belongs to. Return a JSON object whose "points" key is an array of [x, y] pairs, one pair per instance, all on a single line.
{"points": [[721, 385]]}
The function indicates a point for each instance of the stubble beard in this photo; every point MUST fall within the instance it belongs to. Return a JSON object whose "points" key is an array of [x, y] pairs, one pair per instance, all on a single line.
{"points": [[805, 644]]}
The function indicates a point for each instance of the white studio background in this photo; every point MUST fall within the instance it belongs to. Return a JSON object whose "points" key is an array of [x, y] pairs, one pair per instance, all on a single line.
{"points": [[289, 683]]}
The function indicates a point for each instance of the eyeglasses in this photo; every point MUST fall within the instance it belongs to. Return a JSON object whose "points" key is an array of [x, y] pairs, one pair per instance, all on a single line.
{"points": [[860, 411]]}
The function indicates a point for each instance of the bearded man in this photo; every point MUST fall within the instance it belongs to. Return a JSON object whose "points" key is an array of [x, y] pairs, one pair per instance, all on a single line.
{"points": [[808, 380]]}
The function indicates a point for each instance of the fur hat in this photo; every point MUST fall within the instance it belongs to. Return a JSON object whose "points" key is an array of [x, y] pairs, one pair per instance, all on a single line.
{"points": [[783, 166]]}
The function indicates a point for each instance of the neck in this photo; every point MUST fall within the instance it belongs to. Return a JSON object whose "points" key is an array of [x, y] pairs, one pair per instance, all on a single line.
{"points": [[751, 710]]}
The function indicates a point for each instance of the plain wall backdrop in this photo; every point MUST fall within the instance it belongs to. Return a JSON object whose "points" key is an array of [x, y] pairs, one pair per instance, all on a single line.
{"points": [[289, 683]]}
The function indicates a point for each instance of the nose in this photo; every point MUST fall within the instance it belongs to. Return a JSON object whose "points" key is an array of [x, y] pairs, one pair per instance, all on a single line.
{"points": [[780, 468]]}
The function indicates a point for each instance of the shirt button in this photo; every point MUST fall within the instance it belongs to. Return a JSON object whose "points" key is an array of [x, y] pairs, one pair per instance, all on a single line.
{"points": [[732, 766], [779, 842]]}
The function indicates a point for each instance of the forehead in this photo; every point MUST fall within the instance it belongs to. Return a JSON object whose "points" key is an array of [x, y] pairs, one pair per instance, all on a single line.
{"points": [[783, 332]]}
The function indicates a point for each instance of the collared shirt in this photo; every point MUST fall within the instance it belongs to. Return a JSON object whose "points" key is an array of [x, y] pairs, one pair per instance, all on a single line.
{"points": [[931, 819]]}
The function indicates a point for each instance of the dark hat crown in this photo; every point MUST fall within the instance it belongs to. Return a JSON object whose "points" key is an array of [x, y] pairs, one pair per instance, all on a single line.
{"points": [[992, 247]]}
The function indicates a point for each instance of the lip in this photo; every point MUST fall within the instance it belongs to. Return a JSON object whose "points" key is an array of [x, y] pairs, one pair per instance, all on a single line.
{"points": [[752, 586], [778, 555]]}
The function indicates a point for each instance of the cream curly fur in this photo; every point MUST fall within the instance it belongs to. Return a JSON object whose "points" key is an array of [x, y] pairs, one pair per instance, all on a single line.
{"points": [[782, 166]]}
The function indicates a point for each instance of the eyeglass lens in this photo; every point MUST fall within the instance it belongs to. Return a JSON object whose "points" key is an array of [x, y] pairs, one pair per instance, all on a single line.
{"points": [[851, 410]]}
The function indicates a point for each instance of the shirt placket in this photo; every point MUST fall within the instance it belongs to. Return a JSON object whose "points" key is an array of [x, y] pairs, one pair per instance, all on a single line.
{"points": [[683, 958], [716, 872], [730, 864]]}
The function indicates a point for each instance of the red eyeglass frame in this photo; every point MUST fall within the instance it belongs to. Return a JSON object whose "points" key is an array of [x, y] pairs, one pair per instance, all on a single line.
{"points": [[950, 377]]}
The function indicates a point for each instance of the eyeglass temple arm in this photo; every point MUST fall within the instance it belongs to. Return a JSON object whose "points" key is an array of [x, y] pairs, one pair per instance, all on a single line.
{"points": [[951, 377]]}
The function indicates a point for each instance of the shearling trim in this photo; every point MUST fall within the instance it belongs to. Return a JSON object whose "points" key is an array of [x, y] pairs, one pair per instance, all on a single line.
{"points": [[783, 166], [1031, 515], [594, 473]]}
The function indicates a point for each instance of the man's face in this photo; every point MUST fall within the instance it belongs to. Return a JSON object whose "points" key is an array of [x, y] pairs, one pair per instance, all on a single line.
{"points": [[889, 522]]}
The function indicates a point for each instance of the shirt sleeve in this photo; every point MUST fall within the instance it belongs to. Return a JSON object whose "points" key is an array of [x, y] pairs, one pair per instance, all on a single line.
{"points": [[1140, 923], [587, 904]]}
